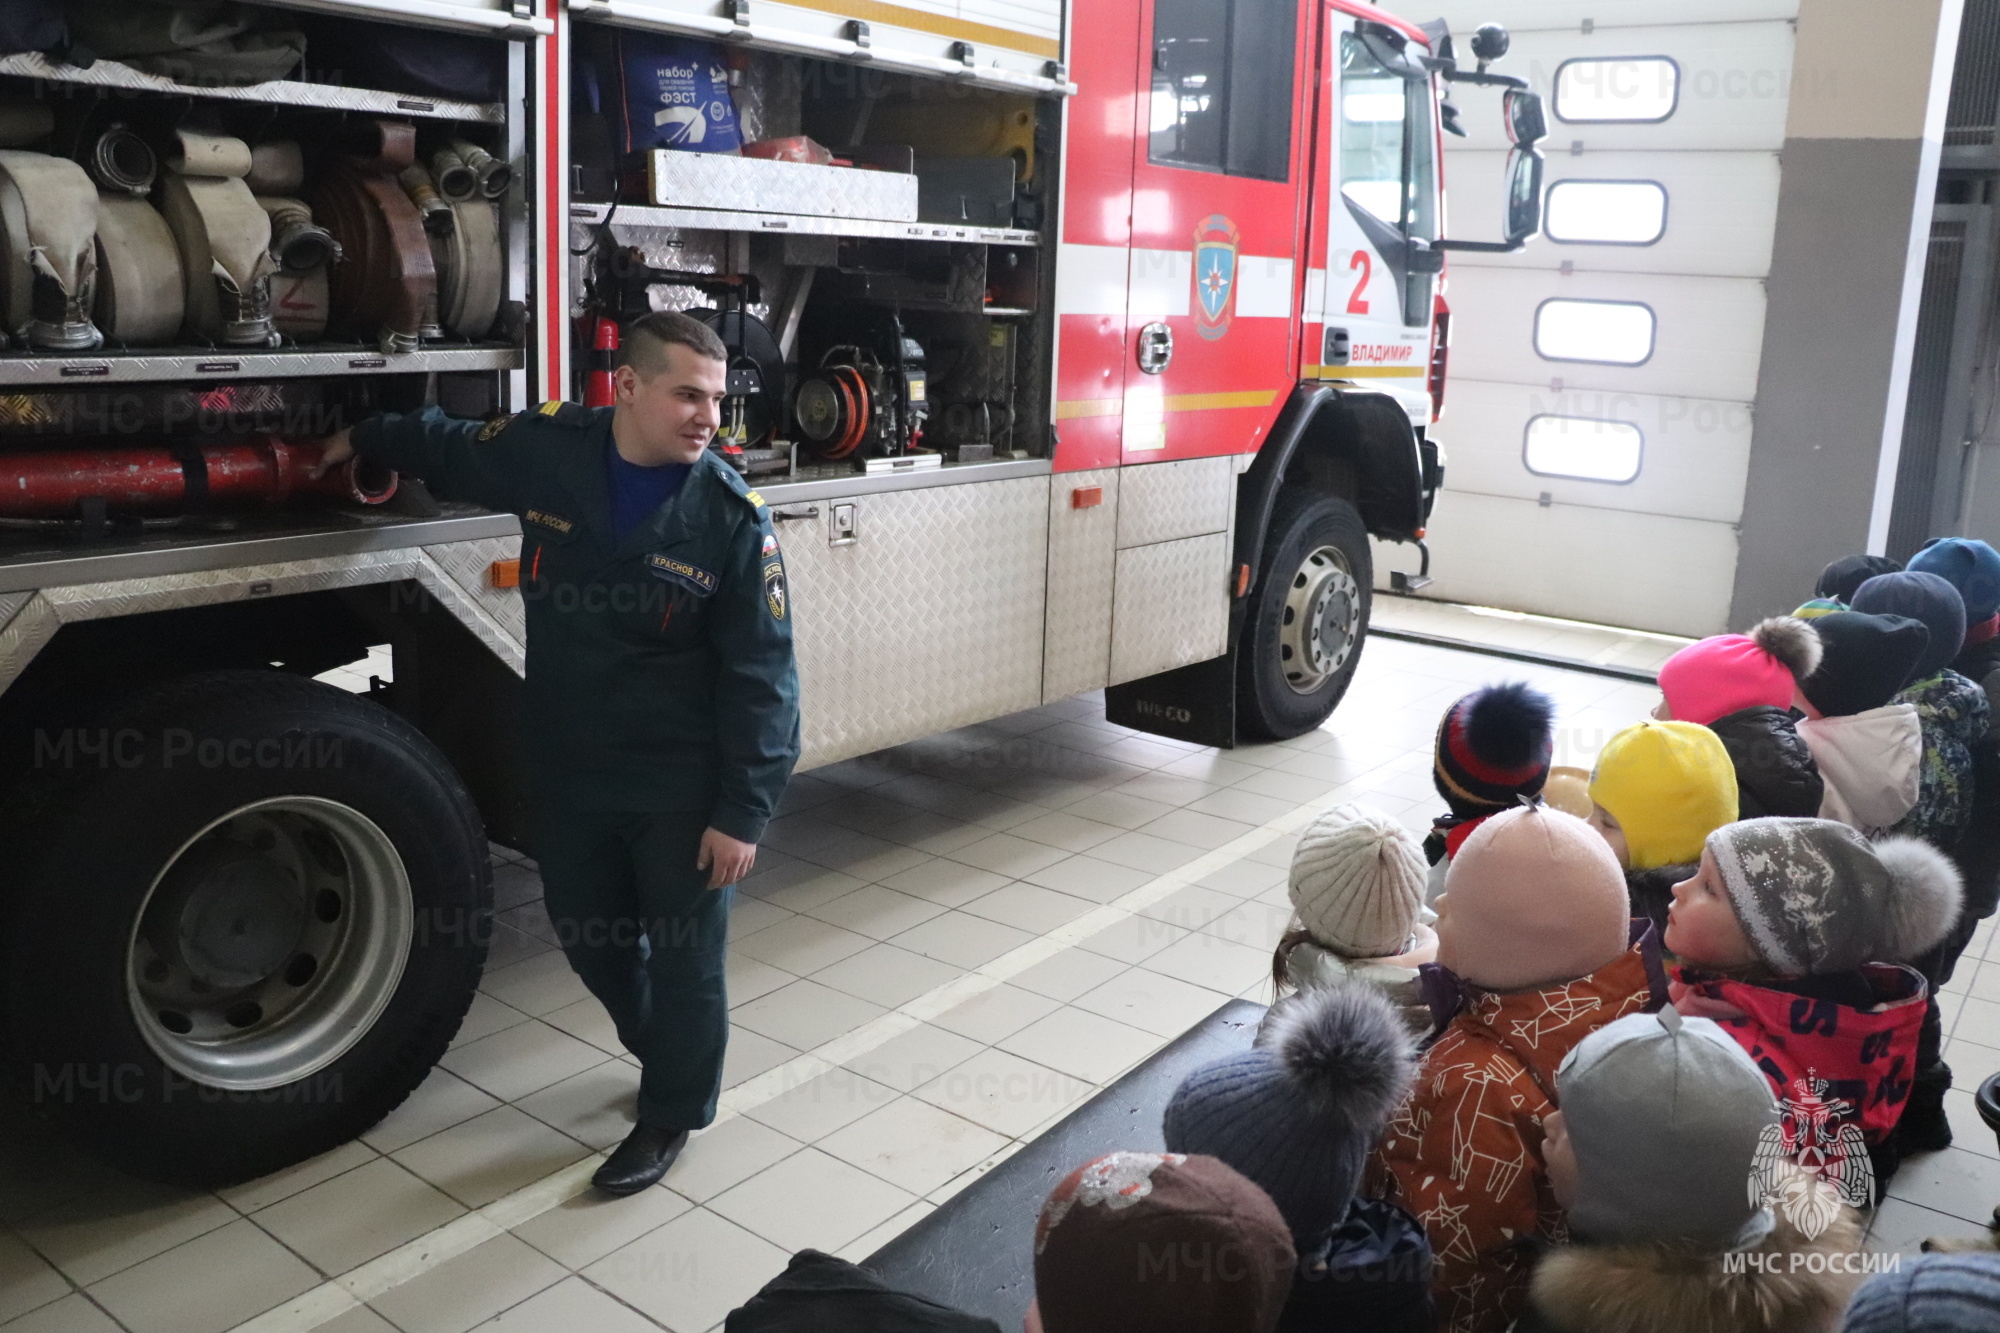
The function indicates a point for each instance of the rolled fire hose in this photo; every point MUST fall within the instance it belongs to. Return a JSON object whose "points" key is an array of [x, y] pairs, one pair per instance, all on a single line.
{"points": [[158, 477], [455, 180], [199, 154], [122, 162], [48, 222], [141, 296], [416, 183], [276, 167], [471, 269], [381, 145], [387, 284], [299, 304], [297, 242], [494, 176], [225, 240]]}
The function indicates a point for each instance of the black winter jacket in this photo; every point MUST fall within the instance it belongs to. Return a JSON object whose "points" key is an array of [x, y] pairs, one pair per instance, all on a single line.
{"points": [[1775, 772], [818, 1293], [1652, 892], [1373, 1273]]}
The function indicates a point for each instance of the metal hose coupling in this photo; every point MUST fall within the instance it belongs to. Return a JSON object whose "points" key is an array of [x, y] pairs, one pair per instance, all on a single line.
{"points": [[494, 175], [439, 220], [455, 180], [122, 162], [246, 312], [297, 242]]}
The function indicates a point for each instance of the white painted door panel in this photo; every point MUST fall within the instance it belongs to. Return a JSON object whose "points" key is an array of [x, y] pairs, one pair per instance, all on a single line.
{"points": [[1721, 211], [1706, 345], [1609, 566], [1735, 83], [1694, 456], [1521, 16]]}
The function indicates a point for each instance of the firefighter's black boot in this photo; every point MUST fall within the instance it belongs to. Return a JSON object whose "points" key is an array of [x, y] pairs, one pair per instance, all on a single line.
{"points": [[641, 1160]]}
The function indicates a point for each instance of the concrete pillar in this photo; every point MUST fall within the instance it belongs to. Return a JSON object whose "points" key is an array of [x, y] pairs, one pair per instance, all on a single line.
{"points": [[1865, 124]]}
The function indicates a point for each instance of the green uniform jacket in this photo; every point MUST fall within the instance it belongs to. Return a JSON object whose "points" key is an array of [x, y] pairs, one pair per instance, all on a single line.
{"points": [[660, 670]]}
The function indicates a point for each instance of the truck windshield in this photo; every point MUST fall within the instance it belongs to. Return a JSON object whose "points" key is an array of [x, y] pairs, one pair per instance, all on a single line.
{"points": [[1388, 160]]}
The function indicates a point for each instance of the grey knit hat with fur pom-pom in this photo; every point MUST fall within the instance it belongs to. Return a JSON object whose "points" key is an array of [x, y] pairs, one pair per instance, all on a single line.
{"points": [[1815, 897], [1358, 882], [1299, 1113]]}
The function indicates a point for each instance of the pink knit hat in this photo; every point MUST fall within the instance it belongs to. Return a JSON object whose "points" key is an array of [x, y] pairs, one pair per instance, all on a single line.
{"points": [[1730, 672], [1533, 898]]}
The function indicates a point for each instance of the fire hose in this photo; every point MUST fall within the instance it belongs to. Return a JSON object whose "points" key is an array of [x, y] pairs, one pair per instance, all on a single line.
{"points": [[161, 476]]}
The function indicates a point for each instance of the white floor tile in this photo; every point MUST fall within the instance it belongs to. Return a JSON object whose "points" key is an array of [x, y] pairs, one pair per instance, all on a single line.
{"points": [[804, 1014], [1070, 973], [1083, 1045], [581, 1230], [1004, 1092], [92, 1237], [812, 1198], [71, 1314], [887, 975], [962, 940], [597, 1107], [1028, 907], [811, 1110], [521, 1060], [570, 1306], [802, 945], [354, 1217], [689, 1273], [997, 1014], [946, 882], [536, 986], [486, 1017], [255, 1194], [913, 1144], [750, 1054], [464, 1292], [875, 911], [1007, 854], [1162, 1005], [727, 1154], [27, 1281], [442, 1100], [915, 1057]]}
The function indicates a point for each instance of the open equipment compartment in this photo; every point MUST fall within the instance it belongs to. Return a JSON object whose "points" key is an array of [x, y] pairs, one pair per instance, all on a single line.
{"points": [[868, 241]]}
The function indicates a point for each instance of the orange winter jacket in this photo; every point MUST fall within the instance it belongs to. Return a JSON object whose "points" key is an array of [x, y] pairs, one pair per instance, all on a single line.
{"points": [[1465, 1151]]}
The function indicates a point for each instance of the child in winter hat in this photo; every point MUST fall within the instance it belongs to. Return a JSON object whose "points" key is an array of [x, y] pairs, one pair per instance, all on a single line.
{"points": [[1868, 746], [1101, 1236], [1972, 567], [1297, 1115], [1740, 686], [1493, 748], [1936, 1293], [1535, 952], [1357, 890], [1658, 1139], [1841, 577], [1951, 710], [1660, 788], [1793, 915]]}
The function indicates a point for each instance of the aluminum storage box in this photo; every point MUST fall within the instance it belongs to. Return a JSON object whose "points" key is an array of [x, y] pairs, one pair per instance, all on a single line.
{"points": [[716, 181]]}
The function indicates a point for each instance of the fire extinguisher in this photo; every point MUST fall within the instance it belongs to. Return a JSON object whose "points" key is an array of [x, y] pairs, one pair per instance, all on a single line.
{"points": [[597, 390]]}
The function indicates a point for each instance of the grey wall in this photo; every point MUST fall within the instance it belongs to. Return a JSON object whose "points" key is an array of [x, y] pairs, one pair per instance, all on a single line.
{"points": [[1829, 363], [1859, 170]]}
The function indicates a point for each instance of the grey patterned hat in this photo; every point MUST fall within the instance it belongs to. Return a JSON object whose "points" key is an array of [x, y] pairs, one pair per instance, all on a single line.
{"points": [[1814, 896]]}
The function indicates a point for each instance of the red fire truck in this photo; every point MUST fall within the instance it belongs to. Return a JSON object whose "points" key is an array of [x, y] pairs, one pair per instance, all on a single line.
{"points": [[1074, 347]]}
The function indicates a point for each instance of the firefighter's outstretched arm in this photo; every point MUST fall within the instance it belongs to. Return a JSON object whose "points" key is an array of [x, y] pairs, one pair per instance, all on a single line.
{"points": [[757, 688], [479, 462]]}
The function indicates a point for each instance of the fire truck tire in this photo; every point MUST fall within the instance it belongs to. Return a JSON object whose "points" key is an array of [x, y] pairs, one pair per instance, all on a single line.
{"points": [[1308, 616], [252, 912]]}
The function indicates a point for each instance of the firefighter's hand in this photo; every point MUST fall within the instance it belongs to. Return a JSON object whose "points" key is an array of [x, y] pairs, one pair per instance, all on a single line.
{"points": [[334, 450], [724, 858]]}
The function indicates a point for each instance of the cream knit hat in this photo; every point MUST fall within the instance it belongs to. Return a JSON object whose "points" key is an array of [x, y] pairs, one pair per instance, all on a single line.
{"points": [[1358, 882]]}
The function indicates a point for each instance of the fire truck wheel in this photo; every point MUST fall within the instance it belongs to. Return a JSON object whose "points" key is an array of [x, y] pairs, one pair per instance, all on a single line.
{"points": [[252, 913], [1308, 616]]}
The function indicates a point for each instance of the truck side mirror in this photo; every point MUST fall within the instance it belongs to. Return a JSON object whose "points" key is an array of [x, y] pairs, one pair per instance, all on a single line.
{"points": [[1527, 123], [1524, 194]]}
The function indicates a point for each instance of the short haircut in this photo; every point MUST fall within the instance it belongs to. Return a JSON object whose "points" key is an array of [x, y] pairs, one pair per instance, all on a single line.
{"points": [[644, 343]]}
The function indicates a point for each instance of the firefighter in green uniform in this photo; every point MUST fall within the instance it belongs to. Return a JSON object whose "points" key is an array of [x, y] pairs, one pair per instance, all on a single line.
{"points": [[661, 711]]}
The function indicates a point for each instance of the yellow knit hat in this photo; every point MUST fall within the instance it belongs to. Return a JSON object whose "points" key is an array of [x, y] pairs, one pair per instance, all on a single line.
{"points": [[1669, 785]]}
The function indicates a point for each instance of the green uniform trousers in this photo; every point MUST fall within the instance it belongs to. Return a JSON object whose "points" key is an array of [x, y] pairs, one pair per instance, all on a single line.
{"points": [[648, 936]]}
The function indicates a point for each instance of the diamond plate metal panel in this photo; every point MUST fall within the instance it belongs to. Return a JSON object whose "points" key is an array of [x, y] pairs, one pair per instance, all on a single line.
{"points": [[1171, 606], [1161, 502], [931, 620], [470, 565], [1082, 547], [758, 185], [36, 622]]}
